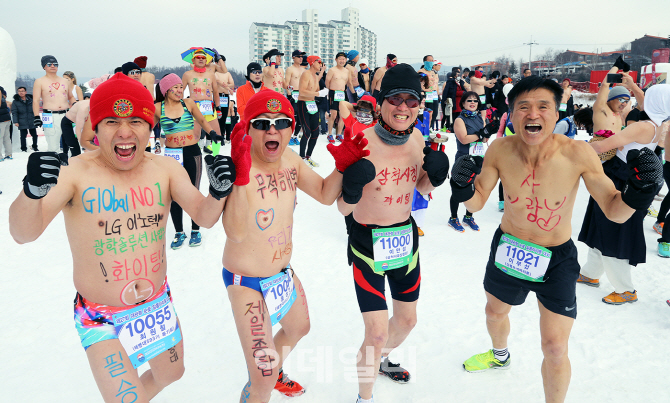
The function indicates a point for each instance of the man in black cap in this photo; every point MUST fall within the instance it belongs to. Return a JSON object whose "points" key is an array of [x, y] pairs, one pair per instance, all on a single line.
{"points": [[273, 73], [291, 84], [56, 99], [133, 71], [378, 190], [254, 84]]}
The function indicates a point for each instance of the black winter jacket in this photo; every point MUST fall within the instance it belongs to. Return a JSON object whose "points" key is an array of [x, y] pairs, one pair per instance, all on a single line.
{"points": [[22, 112]]}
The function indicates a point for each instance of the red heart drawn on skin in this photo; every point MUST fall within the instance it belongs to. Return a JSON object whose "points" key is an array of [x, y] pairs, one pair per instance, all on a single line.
{"points": [[56, 85], [264, 218]]}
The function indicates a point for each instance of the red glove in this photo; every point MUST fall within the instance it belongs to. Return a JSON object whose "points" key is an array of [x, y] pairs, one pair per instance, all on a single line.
{"points": [[349, 151], [241, 144]]}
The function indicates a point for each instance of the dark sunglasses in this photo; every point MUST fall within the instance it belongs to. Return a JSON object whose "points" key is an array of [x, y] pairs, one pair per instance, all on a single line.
{"points": [[265, 123], [256, 72], [472, 100], [397, 101], [135, 72], [52, 64]]}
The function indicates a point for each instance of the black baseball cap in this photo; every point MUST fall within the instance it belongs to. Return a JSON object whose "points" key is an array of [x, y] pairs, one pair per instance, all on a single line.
{"points": [[297, 53], [340, 54], [274, 52]]}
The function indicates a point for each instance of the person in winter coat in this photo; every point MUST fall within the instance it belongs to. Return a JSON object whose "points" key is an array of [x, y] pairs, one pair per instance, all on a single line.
{"points": [[22, 115]]}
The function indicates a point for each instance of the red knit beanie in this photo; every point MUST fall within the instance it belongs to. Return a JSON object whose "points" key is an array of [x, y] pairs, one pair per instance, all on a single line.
{"points": [[121, 97], [141, 61], [268, 101]]}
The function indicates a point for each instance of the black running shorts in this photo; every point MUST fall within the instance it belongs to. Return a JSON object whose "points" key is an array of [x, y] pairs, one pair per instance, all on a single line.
{"points": [[556, 293], [404, 281]]}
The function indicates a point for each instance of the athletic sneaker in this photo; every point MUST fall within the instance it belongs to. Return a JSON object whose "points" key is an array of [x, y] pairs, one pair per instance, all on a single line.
{"points": [[331, 139], [9, 157], [658, 227], [592, 282], [443, 130], [34, 148], [311, 162], [287, 387], [664, 249], [294, 141], [339, 138], [501, 206], [485, 361], [652, 212], [420, 231], [196, 239], [394, 372], [207, 149], [470, 222], [455, 224], [620, 299], [178, 240]]}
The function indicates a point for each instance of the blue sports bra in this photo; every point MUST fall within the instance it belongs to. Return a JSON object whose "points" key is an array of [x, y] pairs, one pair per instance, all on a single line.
{"points": [[181, 124]]}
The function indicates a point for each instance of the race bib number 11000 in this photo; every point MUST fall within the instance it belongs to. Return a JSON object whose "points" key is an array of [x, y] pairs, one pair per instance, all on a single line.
{"points": [[392, 247]]}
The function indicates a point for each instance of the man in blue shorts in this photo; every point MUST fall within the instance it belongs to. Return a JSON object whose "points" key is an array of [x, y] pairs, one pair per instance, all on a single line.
{"points": [[532, 249]]}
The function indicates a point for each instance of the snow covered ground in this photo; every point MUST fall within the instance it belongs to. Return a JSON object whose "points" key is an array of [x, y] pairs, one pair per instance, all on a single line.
{"points": [[617, 352]]}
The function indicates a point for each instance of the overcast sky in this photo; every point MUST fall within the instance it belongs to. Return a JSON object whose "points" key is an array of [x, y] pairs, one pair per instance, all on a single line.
{"points": [[93, 37]]}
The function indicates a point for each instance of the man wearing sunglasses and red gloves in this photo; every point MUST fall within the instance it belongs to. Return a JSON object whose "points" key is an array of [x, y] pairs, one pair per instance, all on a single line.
{"points": [[383, 237], [262, 286]]}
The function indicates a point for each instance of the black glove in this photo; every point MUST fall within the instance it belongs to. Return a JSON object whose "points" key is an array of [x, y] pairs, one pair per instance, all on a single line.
{"points": [[43, 170], [463, 174], [436, 165], [354, 179], [621, 65], [221, 174], [645, 178], [489, 129], [215, 136], [37, 121]]}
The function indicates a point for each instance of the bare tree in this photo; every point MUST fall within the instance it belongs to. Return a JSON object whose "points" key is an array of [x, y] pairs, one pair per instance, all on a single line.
{"points": [[625, 46], [503, 63]]}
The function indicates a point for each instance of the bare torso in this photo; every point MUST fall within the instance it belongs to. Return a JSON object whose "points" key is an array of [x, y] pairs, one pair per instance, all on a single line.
{"points": [[200, 85], [309, 82], [225, 82], [379, 75], [339, 80], [148, 80], [605, 119], [540, 196], [352, 78], [293, 74], [54, 93], [115, 224], [174, 111], [387, 199], [268, 246]]}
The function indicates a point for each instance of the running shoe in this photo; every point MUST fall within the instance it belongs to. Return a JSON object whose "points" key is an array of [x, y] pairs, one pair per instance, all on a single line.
{"points": [[9, 157], [470, 222], [619, 299], [331, 139], [485, 361], [293, 141], [394, 372], [34, 148], [664, 249], [443, 130], [652, 212], [178, 240], [339, 138], [287, 387], [455, 224], [420, 231], [501, 206], [207, 149], [196, 239], [311, 162], [658, 227], [591, 282]]}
